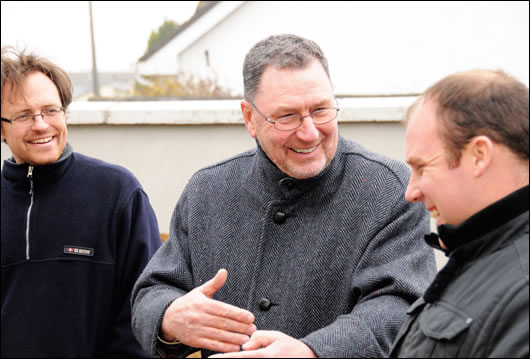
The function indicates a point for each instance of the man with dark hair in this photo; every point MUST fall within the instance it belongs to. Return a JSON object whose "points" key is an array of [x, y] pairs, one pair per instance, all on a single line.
{"points": [[312, 248], [76, 231], [467, 144]]}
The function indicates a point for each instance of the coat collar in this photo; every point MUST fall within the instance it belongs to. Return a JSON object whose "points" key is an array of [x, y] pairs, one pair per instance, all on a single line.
{"points": [[481, 223], [269, 181], [485, 232]]}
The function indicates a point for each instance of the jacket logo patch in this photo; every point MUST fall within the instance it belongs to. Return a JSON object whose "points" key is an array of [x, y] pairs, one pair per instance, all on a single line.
{"points": [[82, 251]]}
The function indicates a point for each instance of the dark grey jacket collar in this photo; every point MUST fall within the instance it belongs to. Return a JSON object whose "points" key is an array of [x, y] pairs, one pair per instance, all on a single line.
{"points": [[267, 178], [15, 172]]}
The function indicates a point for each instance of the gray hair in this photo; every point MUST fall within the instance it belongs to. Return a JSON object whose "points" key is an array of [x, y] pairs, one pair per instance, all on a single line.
{"points": [[285, 51]]}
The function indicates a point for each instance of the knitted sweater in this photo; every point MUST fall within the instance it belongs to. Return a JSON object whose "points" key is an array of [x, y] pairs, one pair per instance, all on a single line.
{"points": [[76, 235], [339, 256]]}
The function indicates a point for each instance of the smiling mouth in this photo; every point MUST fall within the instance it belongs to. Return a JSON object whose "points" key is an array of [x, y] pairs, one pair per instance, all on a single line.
{"points": [[42, 140], [304, 150]]}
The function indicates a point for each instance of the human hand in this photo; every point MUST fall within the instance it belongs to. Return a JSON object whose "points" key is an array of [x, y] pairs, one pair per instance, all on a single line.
{"points": [[271, 344], [199, 321]]}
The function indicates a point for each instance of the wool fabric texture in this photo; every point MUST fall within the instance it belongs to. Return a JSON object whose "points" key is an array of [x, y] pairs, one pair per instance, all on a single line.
{"points": [[340, 267]]}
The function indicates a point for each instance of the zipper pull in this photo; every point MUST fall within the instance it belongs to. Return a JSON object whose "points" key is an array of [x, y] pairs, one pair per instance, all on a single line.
{"points": [[30, 177]]}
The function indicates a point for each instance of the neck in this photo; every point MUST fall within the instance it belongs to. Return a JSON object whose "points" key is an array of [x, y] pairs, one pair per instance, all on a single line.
{"points": [[506, 174]]}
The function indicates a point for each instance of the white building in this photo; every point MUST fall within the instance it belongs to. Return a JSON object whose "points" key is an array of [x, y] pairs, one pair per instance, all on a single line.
{"points": [[373, 48]]}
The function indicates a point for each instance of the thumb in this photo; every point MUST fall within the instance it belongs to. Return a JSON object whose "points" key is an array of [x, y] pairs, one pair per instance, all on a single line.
{"points": [[262, 339], [213, 285]]}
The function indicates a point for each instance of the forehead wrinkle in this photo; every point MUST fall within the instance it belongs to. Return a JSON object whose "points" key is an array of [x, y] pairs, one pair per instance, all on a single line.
{"points": [[304, 103]]}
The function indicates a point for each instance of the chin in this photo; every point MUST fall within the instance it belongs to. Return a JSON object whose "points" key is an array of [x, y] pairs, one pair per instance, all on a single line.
{"points": [[305, 173], [43, 160]]}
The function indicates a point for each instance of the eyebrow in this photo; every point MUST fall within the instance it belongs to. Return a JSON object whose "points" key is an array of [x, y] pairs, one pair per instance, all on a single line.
{"points": [[41, 108]]}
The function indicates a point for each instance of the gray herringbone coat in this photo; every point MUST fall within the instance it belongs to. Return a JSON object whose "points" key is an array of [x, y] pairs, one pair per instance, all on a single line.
{"points": [[340, 271]]}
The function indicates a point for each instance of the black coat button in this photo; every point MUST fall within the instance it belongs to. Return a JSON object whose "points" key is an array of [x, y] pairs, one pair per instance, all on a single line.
{"points": [[265, 304], [288, 183], [279, 217]]}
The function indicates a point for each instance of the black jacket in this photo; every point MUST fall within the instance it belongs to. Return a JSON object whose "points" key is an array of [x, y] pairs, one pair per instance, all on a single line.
{"points": [[477, 305]]}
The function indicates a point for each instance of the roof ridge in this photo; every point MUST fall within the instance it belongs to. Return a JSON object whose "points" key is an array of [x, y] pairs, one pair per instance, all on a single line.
{"points": [[201, 10]]}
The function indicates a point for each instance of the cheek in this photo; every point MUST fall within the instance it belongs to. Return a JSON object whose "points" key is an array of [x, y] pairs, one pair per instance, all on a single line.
{"points": [[425, 183], [332, 139], [330, 131], [273, 137]]}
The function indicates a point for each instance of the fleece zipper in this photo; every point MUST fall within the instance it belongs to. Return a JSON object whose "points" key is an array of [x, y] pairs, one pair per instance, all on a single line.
{"points": [[30, 178]]}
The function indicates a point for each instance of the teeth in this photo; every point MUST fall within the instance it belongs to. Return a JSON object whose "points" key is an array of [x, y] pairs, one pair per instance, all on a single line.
{"points": [[434, 213], [304, 150], [43, 140]]}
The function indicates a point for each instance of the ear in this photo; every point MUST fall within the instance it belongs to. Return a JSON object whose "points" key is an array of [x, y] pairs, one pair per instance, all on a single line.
{"points": [[3, 134], [246, 110], [481, 151]]}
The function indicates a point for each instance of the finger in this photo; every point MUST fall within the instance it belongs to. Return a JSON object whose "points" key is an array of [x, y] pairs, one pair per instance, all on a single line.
{"points": [[223, 336], [224, 310], [213, 285], [228, 324], [262, 338], [260, 353], [217, 346]]}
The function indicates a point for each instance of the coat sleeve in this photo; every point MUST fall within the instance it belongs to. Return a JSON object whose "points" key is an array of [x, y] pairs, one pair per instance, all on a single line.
{"points": [[395, 269], [138, 239], [166, 278]]}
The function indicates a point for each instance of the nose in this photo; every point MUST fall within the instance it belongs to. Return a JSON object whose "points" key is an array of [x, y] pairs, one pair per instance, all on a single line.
{"points": [[413, 192], [307, 132], [39, 123]]}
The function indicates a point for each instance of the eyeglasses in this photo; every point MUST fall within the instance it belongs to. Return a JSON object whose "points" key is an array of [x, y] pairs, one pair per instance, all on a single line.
{"points": [[291, 122], [27, 118]]}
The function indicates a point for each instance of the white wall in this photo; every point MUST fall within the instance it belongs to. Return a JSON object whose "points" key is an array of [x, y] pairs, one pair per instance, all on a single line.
{"points": [[164, 157], [165, 60], [164, 142], [376, 47]]}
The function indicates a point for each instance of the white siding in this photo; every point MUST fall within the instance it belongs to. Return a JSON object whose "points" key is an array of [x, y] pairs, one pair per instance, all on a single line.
{"points": [[372, 47]]}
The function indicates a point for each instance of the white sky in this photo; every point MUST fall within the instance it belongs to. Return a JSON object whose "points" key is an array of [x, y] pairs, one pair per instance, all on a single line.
{"points": [[60, 30]]}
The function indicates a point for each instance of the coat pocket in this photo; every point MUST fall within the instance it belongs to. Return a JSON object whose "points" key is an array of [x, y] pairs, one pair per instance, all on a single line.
{"points": [[444, 322]]}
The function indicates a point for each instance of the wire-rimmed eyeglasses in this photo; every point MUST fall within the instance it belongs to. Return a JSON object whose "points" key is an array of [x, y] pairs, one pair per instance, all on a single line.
{"points": [[27, 118], [291, 122]]}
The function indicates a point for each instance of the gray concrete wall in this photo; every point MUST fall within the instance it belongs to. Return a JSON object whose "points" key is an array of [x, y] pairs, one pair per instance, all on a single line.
{"points": [[164, 156]]}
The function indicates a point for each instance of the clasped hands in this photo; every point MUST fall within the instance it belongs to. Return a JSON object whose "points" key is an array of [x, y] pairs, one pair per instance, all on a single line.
{"points": [[199, 321]]}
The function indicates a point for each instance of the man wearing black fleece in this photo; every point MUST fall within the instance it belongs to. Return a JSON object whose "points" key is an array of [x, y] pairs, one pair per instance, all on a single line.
{"points": [[467, 144], [76, 231]]}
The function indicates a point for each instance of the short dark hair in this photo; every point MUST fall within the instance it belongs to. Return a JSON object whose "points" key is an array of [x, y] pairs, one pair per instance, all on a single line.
{"points": [[481, 102], [285, 51], [17, 65]]}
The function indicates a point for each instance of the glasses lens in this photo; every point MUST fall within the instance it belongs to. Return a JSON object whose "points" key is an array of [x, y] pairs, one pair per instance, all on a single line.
{"points": [[26, 119], [324, 115], [52, 113], [319, 117], [287, 123]]}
